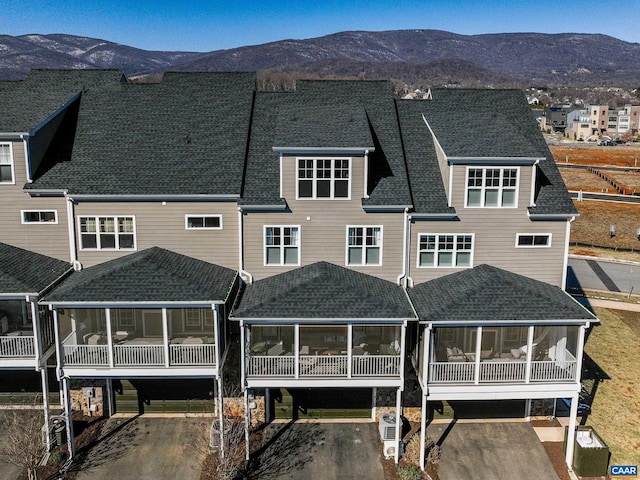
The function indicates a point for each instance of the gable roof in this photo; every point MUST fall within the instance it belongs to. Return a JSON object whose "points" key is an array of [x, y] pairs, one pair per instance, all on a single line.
{"points": [[24, 272], [325, 115], [152, 276], [487, 123], [26, 104], [186, 135], [486, 294], [323, 291]]}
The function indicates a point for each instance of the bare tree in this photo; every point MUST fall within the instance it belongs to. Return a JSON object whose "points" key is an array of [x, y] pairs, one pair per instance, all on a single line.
{"points": [[22, 445]]}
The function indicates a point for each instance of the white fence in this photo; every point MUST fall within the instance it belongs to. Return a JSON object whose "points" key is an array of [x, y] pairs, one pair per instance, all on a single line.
{"points": [[17, 346]]}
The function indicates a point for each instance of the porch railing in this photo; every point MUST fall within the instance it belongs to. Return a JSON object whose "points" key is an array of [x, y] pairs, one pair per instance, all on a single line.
{"points": [[124, 355], [18, 346], [324, 366], [503, 371]]}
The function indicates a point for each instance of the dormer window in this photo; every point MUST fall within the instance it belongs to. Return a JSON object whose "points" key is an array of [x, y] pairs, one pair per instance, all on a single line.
{"points": [[6, 164], [327, 178], [492, 187]]}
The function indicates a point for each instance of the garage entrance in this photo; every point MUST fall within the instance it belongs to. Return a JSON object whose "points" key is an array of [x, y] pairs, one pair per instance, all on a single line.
{"points": [[319, 403], [176, 395]]}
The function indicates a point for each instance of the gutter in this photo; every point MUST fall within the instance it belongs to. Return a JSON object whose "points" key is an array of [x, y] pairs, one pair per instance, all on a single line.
{"points": [[27, 165], [405, 249]]}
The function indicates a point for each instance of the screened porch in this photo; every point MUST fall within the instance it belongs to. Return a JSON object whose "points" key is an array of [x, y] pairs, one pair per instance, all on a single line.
{"points": [[314, 351], [503, 354]]}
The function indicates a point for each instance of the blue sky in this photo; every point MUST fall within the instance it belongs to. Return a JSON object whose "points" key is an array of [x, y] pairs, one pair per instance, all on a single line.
{"points": [[219, 24]]}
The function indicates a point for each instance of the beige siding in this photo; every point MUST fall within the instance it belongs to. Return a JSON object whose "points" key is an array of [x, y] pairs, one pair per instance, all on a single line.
{"points": [[495, 232], [444, 168], [323, 228], [48, 239], [162, 224]]}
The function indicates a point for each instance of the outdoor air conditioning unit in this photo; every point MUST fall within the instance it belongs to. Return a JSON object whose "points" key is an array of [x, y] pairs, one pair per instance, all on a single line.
{"points": [[387, 426], [389, 448]]}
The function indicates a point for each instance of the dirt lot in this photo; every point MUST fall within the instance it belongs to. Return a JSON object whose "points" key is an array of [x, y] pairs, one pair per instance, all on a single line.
{"points": [[592, 226], [622, 156]]}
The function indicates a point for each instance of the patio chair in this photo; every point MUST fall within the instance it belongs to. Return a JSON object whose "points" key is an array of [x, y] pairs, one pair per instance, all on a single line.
{"points": [[455, 354]]}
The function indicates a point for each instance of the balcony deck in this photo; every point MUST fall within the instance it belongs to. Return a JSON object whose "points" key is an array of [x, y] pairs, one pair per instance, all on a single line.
{"points": [[17, 346]]}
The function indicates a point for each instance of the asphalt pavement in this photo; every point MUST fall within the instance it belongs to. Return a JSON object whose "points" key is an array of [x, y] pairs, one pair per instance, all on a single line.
{"points": [[596, 274]]}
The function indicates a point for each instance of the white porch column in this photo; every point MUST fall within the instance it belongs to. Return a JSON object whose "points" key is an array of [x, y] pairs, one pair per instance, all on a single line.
{"points": [[165, 337], [374, 406], [247, 413], [243, 358], [403, 340], [349, 348], [423, 430], [35, 324], [45, 403], [107, 313], [216, 336], [571, 431], [110, 403], [71, 442], [527, 373], [296, 352], [476, 360], [398, 423], [220, 388], [59, 348]]}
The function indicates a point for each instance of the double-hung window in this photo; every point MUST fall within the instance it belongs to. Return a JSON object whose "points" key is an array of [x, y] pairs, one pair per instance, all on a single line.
{"points": [[324, 178], [492, 187], [364, 245], [107, 233], [281, 245], [445, 250], [6, 164]]}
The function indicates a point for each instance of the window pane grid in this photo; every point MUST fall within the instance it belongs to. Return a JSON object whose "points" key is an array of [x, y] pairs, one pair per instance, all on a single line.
{"points": [[114, 233], [444, 250], [323, 178], [363, 245], [492, 187], [281, 245]]}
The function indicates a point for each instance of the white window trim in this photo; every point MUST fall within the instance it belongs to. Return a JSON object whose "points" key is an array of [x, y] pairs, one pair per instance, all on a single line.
{"points": [[548, 235], [203, 216], [314, 190], [364, 256], [483, 187], [98, 249], [54, 222], [264, 247], [12, 163], [455, 235]]}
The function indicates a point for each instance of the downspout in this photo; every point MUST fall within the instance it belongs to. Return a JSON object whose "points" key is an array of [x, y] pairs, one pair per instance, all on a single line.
{"points": [[405, 250], [565, 265], [246, 276], [366, 174], [534, 175], [25, 144], [73, 254]]}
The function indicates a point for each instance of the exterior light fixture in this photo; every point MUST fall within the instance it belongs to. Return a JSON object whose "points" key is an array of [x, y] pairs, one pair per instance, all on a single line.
{"points": [[612, 230], [638, 233]]}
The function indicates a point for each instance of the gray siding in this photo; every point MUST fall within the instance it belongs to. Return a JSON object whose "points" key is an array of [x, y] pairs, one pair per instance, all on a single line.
{"points": [[48, 238], [495, 232], [162, 224], [323, 228]]}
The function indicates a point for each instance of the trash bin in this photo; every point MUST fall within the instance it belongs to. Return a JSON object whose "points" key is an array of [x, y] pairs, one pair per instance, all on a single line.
{"points": [[590, 453], [59, 432]]}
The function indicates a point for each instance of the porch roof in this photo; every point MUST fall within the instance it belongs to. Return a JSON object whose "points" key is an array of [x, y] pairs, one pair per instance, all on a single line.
{"points": [[486, 294], [23, 272], [323, 291], [153, 276]]}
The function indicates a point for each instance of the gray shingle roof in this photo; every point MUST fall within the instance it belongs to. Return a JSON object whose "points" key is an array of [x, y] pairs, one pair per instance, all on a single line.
{"points": [[427, 188], [186, 135], [22, 271], [154, 275], [328, 114], [485, 294], [27, 103], [489, 123], [323, 291]]}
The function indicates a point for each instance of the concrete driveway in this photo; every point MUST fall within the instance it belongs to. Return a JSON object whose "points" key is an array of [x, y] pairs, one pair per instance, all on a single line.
{"points": [[491, 450], [146, 448], [304, 451]]}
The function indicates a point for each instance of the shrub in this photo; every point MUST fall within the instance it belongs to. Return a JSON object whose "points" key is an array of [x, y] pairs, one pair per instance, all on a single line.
{"points": [[410, 472], [412, 451]]}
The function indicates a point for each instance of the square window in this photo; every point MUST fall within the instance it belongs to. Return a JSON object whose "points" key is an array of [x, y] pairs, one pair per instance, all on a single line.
{"points": [[492, 187], [282, 245], [326, 178], [364, 245]]}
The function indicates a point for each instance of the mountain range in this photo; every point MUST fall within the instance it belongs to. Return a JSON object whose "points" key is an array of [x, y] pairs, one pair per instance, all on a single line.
{"points": [[428, 57]]}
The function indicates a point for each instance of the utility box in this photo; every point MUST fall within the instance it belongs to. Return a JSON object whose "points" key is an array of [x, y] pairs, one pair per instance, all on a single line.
{"points": [[590, 453]]}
